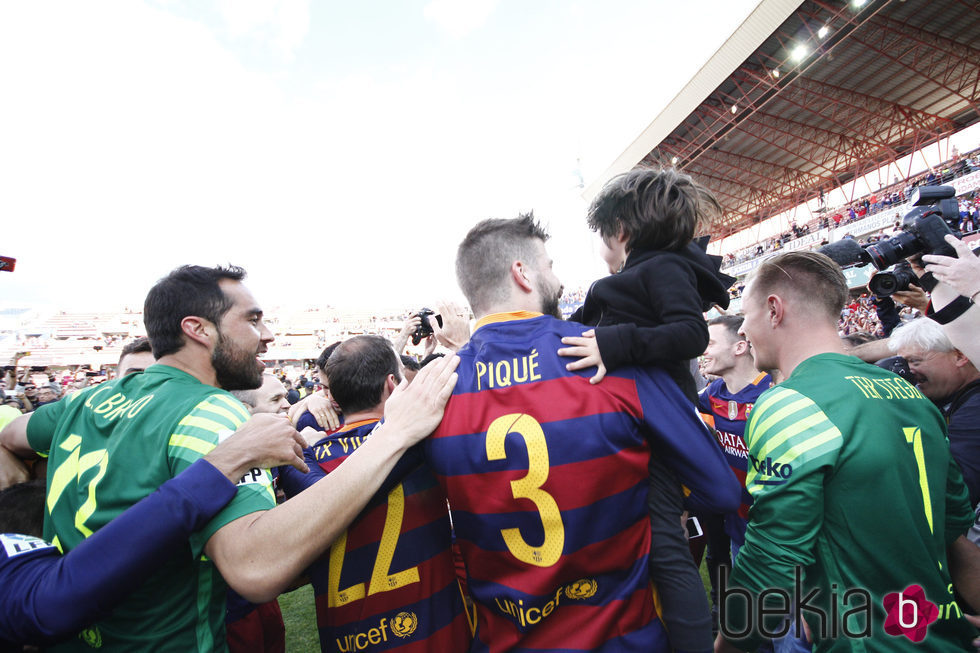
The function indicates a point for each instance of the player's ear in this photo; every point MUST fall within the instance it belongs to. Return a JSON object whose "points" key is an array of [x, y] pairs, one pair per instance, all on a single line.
{"points": [[519, 273], [776, 309], [390, 384], [199, 330]]}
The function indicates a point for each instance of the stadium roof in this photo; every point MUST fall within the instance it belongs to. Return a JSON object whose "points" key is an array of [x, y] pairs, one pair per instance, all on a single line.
{"points": [[785, 110]]}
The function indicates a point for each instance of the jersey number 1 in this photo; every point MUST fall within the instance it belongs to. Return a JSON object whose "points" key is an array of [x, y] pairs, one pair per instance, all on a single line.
{"points": [[913, 436]]}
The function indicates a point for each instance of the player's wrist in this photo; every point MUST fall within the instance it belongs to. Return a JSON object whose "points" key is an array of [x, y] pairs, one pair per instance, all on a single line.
{"points": [[390, 438], [231, 462]]}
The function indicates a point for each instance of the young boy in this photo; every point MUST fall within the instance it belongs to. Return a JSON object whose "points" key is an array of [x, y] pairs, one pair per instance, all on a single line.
{"points": [[649, 311]]}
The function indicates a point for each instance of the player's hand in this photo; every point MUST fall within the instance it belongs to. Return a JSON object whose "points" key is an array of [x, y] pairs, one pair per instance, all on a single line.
{"points": [[12, 470], [321, 408], [264, 441], [415, 409], [311, 436], [961, 274], [587, 349]]}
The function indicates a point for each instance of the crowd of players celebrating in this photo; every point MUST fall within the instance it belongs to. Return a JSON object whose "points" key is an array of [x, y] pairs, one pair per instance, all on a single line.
{"points": [[532, 489]]}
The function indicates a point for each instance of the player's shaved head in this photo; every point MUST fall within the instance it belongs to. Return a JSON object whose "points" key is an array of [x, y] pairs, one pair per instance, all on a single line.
{"points": [[811, 279], [484, 257]]}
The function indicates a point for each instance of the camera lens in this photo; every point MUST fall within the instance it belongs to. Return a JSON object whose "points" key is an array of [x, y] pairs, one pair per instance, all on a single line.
{"points": [[883, 284], [889, 252]]}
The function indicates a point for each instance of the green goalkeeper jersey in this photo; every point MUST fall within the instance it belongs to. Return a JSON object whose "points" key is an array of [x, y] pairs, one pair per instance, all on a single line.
{"points": [[113, 444], [855, 498]]}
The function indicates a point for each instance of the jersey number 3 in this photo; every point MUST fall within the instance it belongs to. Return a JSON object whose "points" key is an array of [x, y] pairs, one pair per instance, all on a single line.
{"points": [[529, 487]]}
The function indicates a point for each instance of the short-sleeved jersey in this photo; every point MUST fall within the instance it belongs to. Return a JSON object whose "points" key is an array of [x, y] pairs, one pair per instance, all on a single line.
{"points": [[729, 412], [111, 445], [547, 480], [854, 488], [389, 582]]}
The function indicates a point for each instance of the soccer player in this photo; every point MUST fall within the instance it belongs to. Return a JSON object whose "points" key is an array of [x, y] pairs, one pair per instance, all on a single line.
{"points": [[47, 596], [113, 444], [546, 473], [728, 400], [389, 581], [135, 357], [855, 496]]}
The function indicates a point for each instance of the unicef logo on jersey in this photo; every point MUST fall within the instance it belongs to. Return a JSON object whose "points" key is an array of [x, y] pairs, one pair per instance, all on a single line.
{"points": [[404, 624], [581, 589]]}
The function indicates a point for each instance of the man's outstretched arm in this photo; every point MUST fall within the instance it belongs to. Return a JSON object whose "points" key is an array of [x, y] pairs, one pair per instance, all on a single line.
{"points": [[47, 597], [261, 553]]}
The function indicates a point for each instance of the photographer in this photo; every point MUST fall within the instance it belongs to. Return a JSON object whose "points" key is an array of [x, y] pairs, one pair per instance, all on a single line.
{"points": [[958, 277], [947, 377], [448, 326]]}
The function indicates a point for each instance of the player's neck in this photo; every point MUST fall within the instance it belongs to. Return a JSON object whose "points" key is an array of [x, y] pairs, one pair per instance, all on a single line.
{"points": [[375, 413], [739, 377], [198, 367], [806, 345]]}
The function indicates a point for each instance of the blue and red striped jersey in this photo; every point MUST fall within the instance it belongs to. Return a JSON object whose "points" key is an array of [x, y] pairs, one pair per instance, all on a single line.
{"points": [[729, 412], [389, 582], [547, 480]]}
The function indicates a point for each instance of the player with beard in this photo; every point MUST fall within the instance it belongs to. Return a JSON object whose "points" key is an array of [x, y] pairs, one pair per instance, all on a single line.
{"points": [[546, 474], [113, 444]]}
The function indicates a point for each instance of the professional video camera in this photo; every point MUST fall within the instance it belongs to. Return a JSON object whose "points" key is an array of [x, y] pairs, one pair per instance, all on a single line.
{"points": [[424, 329], [934, 214]]}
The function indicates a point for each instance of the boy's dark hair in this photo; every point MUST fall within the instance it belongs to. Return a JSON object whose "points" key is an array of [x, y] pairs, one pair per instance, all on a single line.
{"points": [[188, 290], [321, 361], [356, 372], [410, 363], [22, 508], [137, 346], [484, 257], [656, 209], [732, 324]]}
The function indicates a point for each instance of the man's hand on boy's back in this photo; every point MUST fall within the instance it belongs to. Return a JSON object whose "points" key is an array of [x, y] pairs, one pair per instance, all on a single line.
{"points": [[587, 350]]}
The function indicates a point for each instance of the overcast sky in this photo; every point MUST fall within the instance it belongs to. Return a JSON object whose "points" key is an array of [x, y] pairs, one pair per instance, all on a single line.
{"points": [[337, 150]]}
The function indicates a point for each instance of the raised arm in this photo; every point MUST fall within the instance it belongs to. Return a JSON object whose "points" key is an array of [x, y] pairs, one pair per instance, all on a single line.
{"points": [[47, 600], [259, 566]]}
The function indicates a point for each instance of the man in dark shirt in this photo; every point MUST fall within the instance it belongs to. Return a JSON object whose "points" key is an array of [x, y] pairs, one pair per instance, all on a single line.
{"points": [[952, 382]]}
